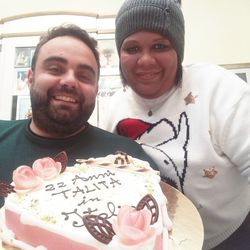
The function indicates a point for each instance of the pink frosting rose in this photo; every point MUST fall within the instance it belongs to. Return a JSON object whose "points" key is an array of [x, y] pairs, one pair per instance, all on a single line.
{"points": [[133, 226], [25, 179], [46, 168]]}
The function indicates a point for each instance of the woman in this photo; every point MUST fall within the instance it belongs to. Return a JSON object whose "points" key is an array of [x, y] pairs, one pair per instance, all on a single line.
{"points": [[194, 121]]}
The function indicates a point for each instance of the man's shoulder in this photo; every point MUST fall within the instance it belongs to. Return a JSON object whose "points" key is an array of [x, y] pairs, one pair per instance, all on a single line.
{"points": [[12, 122], [8, 124], [104, 133]]}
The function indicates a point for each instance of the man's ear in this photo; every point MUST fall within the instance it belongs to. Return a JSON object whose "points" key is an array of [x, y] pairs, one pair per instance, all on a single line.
{"points": [[30, 77], [97, 88]]}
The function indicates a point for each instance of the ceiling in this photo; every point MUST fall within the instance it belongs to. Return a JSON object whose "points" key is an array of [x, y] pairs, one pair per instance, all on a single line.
{"points": [[11, 8]]}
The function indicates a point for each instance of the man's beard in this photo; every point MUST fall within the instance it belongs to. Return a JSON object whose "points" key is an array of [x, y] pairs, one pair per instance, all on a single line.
{"points": [[59, 120]]}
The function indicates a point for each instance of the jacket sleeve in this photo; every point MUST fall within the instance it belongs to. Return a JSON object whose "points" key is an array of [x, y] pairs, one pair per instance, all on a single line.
{"points": [[236, 135]]}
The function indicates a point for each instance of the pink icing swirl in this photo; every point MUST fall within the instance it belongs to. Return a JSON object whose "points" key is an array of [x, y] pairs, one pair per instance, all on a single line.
{"points": [[133, 226], [47, 168], [28, 179], [25, 179]]}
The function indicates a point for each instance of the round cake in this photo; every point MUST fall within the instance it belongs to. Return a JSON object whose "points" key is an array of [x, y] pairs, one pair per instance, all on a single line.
{"points": [[109, 203]]}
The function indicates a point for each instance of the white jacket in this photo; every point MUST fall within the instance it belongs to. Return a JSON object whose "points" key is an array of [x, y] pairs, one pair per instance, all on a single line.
{"points": [[199, 135]]}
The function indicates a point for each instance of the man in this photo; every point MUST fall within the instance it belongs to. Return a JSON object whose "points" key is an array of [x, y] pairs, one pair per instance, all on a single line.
{"points": [[63, 82]]}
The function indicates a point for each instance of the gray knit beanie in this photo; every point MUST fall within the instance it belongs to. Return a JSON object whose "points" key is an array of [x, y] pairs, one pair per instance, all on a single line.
{"points": [[161, 16]]}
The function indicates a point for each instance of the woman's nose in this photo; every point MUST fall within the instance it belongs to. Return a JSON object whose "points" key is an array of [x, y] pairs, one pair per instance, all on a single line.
{"points": [[146, 58], [69, 79]]}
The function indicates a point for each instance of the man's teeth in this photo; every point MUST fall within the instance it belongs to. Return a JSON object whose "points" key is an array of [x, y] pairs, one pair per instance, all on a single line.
{"points": [[65, 99]]}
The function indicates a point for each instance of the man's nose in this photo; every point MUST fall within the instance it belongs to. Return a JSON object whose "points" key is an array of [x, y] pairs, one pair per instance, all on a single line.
{"points": [[69, 79]]}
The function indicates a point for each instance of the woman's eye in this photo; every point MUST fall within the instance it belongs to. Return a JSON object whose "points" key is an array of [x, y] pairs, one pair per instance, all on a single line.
{"points": [[161, 46], [131, 50]]}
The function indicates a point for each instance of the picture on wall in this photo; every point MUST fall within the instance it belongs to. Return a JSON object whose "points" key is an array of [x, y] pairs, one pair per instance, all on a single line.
{"points": [[21, 81], [23, 107], [23, 56], [109, 84], [108, 54], [242, 75], [241, 70]]}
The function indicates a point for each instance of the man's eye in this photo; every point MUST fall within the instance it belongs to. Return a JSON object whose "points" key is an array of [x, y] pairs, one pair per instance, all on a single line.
{"points": [[55, 70], [85, 77]]}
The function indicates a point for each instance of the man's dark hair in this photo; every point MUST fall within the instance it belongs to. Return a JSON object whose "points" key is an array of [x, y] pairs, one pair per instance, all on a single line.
{"points": [[67, 30]]}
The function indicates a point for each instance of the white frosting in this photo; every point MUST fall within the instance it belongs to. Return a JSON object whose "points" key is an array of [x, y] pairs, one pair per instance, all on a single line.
{"points": [[87, 188]]}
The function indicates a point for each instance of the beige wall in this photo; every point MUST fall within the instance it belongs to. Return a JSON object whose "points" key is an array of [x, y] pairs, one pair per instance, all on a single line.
{"points": [[217, 31], [17, 7]]}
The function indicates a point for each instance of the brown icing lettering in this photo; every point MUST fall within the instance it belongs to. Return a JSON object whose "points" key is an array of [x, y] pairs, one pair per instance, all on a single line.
{"points": [[77, 219], [85, 201], [92, 177]]}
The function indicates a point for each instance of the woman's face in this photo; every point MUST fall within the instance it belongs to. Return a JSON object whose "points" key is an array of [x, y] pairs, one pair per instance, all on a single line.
{"points": [[149, 64]]}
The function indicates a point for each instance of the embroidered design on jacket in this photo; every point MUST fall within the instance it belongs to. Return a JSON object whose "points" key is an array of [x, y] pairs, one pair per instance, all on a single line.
{"points": [[146, 133], [190, 99], [210, 172]]}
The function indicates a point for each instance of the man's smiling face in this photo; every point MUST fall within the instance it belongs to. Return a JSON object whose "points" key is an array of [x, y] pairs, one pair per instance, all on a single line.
{"points": [[63, 86]]}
